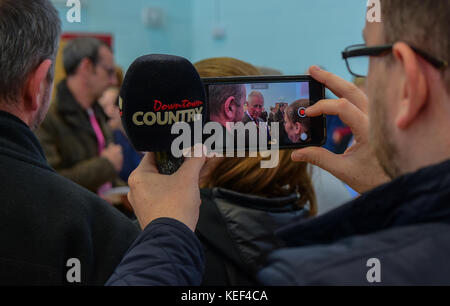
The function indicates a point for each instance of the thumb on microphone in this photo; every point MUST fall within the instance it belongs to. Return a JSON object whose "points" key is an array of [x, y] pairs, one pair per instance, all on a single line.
{"points": [[148, 163], [153, 195]]}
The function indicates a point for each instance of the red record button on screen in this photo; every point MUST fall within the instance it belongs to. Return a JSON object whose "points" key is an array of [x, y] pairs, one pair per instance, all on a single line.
{"points": [[302, 112]]}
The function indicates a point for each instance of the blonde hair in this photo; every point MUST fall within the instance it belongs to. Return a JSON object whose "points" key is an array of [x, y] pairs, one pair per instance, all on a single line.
{"points": [[225, 66], [245, 174]]}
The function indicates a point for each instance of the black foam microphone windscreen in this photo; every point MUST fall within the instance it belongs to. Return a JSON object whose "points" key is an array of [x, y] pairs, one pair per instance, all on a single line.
{"points": [[158, 91]]}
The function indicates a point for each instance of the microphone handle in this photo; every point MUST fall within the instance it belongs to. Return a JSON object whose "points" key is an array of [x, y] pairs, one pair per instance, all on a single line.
{"points": [[167, 163]]}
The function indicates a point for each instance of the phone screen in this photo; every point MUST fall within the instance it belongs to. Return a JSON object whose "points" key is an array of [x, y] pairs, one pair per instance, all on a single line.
{"points": [[273, 106]]}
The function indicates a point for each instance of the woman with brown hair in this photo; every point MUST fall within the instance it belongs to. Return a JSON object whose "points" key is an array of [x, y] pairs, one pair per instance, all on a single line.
{"points": [[244, 204]]}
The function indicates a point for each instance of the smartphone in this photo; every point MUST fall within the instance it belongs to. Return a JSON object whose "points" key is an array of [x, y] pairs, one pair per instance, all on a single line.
{"points": [[271, 105]]}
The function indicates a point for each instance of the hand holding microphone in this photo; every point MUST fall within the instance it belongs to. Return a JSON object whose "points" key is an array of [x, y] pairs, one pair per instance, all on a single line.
{"points": [[159, 91], [177, 196]]}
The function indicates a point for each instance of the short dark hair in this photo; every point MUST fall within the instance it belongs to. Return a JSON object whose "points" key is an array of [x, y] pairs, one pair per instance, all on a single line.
{"points": [[78, 49], [29, 34], [423, 24], [218, 94]]}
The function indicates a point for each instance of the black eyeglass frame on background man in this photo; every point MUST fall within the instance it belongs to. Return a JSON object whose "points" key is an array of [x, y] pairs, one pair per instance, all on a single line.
{"points": [[363, 50]]}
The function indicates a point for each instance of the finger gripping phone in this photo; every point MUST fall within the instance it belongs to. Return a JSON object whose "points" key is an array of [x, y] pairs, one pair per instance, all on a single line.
{"points": [[263, 111]]}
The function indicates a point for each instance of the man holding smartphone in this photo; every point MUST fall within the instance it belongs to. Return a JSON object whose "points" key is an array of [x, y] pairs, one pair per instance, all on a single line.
{"points": [[398, 229], [395, 234]]}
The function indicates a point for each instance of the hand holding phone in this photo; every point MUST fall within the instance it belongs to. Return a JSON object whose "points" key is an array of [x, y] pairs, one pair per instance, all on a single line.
{"points": [[154, 195], [358, 166], [266, 108]]}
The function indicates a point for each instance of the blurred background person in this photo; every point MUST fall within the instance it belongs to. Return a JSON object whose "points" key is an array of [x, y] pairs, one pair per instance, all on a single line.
{"points": [[279, 115], [264, 115], [131, 158], [46, 221], [77, 141], [273, 110], [243, 204], [109, 103], [342, 137]]}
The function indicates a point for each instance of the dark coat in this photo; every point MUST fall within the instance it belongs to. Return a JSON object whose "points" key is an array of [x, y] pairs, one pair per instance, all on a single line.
{"points": [[45, 219], [246, 119], [70, 144], [237, 230], [167, 253], [405, 224]]}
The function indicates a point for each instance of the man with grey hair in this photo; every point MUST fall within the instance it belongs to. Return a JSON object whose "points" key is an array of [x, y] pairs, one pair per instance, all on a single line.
{"points": [[75, 136], [255, 106], [52, 230]]}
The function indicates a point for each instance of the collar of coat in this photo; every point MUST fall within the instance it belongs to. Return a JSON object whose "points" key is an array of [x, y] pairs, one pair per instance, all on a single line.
{"points": [[241, 226], [71, 110], [19, 142]]}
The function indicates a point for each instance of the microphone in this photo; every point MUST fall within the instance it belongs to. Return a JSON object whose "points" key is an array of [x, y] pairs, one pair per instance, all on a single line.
{"points": [[158, 91]]}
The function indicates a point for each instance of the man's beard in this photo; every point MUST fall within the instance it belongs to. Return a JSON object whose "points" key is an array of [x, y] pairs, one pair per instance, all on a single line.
{"points": [[381, 137]]}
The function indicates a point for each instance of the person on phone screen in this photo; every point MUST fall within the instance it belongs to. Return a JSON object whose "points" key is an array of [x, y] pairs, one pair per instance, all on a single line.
{"points": [[296, 124]]}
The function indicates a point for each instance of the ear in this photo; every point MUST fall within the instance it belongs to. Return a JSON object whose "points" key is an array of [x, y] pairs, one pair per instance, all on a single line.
{"points": [[228, 107], [414, 90], [36, 85]]}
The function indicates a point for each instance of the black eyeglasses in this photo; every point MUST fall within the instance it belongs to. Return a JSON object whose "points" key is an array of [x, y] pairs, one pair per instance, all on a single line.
{"points": [[357, 58]]}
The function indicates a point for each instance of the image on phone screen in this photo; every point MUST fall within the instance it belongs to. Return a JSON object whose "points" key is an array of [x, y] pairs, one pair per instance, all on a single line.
{"points": [[264, 103]]}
